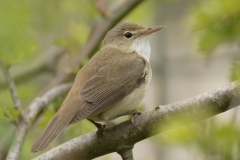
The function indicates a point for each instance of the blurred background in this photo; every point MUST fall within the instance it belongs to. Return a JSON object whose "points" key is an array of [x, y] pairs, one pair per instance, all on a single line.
{"points": [[196, 53]]}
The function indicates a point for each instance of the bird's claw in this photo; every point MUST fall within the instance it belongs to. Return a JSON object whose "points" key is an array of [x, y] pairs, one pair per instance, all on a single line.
{"points": [[135, 113], [100, 128]]}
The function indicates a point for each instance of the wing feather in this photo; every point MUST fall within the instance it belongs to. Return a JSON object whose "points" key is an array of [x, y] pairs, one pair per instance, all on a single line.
{"points": [[110, 84]]}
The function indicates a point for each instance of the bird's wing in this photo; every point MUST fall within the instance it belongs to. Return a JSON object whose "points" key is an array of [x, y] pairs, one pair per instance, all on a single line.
{"points": [[112, 82]]}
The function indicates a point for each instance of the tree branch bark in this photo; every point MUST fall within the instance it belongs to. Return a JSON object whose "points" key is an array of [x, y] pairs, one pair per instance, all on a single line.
{"points": [[126, 153], [11, 85], [29, 115], [148, 124]]}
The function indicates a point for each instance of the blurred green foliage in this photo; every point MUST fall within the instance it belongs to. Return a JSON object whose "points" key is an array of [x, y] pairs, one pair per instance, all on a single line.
{"points": [[10, 113], [16, 43], [76, 38], [26, 90], [217, 22], [208, 137], [235, 70], [6, 134], [80, 128]]}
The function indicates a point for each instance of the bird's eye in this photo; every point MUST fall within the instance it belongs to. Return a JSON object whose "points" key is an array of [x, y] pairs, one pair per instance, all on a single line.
{"points": [[128, 35]]}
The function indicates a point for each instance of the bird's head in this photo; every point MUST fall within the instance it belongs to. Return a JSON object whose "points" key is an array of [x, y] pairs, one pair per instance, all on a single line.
{"points": [[131, 37]]}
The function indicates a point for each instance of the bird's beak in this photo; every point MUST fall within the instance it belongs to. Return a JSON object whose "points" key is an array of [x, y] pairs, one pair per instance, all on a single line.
{"points": [[153, 29]]}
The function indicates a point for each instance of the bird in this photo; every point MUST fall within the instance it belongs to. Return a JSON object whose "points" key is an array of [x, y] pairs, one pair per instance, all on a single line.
{"points": [[110, 85]]}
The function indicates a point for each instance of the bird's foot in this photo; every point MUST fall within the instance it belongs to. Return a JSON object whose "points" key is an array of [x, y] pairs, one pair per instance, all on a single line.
{"points": [[135, 113], [131, 112], [100, 127], [100, 132]]}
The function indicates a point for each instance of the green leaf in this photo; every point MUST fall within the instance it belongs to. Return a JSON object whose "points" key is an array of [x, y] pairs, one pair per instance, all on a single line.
{"points": [[9, 113]]}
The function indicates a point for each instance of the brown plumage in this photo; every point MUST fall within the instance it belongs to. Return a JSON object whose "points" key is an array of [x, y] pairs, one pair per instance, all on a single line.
{"points": [[110, 84]]}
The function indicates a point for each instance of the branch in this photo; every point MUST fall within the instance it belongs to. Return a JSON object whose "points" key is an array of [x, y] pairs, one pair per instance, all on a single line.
{"points": [[97, 34], [102, 8], [29, 115], [11, 85], [126, 153], [49, 64], [118, 137]]}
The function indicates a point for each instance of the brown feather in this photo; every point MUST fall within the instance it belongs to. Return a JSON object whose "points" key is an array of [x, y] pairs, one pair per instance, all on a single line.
{"points": [[102, 90], [57, 124]]}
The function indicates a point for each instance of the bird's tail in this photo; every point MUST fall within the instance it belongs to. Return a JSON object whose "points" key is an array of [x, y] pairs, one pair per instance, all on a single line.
{"points": [[55, 127], [61, 119]]}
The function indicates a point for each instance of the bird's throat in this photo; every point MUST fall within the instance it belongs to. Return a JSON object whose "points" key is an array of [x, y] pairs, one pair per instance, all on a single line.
{"points": [[142, 47]]}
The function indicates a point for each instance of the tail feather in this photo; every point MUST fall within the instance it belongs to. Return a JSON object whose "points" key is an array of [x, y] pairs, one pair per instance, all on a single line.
{"points": [[55, 127], [61, 119]]}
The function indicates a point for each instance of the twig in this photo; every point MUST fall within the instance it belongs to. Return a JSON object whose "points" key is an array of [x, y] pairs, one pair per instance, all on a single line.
{"points": [[97, 34], [17, 144], [148, 124], [29, 115], [102, 8], [47, 65], [11, 85]]}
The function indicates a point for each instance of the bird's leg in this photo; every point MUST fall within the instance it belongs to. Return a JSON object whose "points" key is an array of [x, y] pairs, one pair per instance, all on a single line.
{"points": [[100, 128], [97, 124], [134, 114]]}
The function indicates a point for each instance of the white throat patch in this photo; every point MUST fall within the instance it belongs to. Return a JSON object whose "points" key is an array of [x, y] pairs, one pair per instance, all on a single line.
{"points": [[142, 47]]}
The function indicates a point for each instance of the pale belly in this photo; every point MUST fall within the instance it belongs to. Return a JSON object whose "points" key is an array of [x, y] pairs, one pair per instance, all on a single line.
{"points": [[126, 104]]}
